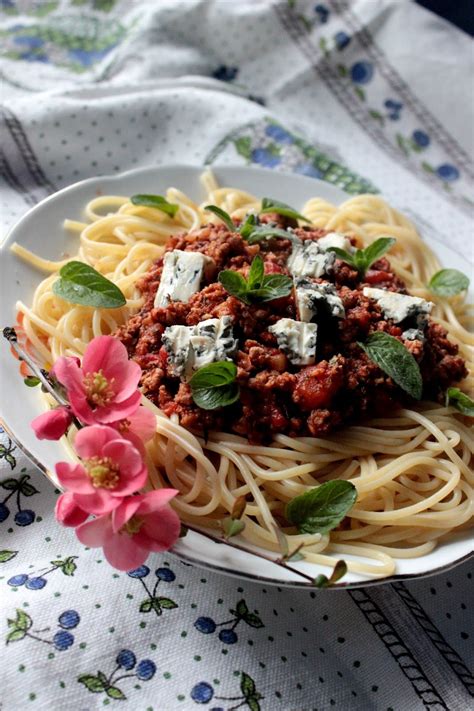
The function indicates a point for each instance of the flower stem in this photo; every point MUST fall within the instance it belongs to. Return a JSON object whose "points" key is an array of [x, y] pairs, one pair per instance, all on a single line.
{"points": [[10, 334], [228, 542]]}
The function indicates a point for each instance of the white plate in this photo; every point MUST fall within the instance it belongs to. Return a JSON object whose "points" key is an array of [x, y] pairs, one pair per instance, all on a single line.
{"points": [[41, 231]]}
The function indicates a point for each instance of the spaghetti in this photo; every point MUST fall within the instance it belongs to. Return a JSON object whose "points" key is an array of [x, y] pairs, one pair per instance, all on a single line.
{"points": [[413, 471]]}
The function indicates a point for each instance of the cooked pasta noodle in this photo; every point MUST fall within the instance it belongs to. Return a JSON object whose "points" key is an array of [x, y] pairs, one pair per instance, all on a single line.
{"points": [[413, 471]]}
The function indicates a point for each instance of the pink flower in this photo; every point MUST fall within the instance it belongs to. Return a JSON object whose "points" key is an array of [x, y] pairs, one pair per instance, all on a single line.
{"points": [[52, 424], [140, 524], [138, 427], [67, 512], [111, 468], [104, 390]]}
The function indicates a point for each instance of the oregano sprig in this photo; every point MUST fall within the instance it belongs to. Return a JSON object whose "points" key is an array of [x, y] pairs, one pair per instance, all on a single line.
{"points": [[323, 507], [80, 283], [448, 282], [270, 205], [394, 359], [250, 230], [362, 259], [258, 286], [214, 385], [158, 202], [461, 401]]}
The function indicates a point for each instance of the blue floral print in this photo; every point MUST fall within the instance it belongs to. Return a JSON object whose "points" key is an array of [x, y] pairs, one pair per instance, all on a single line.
{"points": [[126, 661], [342, 40], [154, 602], [362, 72], [207, 625], [17, 488], [22, 627], [225, 73], [203, 692], [33, 581]]}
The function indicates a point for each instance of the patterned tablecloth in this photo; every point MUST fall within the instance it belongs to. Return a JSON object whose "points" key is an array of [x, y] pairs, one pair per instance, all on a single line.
{"points": [[370, 95]]}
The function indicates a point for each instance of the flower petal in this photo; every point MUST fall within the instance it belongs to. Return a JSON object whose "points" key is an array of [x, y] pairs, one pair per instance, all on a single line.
{"points": [[90, 441], [153, 501], [142, 423], [123, 553], [122, 452], [108, 354], [118, 410], [99, 502], [124, 512], [52, 424], [67, 512], [69, 373], [94, 533], [74, 477], [160, 530]]}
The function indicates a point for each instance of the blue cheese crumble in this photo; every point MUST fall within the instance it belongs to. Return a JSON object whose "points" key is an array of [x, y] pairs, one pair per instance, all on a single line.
{"points": [[397, 306], [181, 276], [296, 339], [309, 259], [313, 299], [335, 239], [191, 347]]}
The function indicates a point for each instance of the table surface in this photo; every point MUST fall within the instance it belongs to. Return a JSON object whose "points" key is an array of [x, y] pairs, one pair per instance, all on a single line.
{"points": [[367, 93]]}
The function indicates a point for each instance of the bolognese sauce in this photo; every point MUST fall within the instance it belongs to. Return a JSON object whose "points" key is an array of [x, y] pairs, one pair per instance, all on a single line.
{"points": [[278, 394]]}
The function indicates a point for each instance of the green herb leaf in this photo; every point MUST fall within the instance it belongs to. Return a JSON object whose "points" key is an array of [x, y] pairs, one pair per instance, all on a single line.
{"points": [[281, 208], [258, 287], [81, 284], [156, 201], [395, 360], [461, 401], [214, 385], [339, 570], [232, 526], [322, 508], [362, 259], [247, 227], [448, 282], [256, 273], [265, 232], [377, 249], [31, 381], [222, 215]]}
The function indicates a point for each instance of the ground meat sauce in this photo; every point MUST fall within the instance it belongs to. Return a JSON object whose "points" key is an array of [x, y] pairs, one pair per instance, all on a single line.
{"points": [[275, 396]]}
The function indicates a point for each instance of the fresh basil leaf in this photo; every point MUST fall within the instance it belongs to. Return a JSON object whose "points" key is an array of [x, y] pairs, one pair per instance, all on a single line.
{"points": [[235, 284], [461, 401], [448, 282], [31, 381], [377, 249], [274, 286], [247, 227], [156, 201], [80, 284], [222, 215], [214, 385], [395, 360], [342, 254], [281, 208], [263, 232], [363, 258], [322, 508], [256, 273]]}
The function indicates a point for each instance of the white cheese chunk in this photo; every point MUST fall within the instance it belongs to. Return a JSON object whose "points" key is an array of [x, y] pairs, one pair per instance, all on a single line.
{"points": [[413, 334], [296, 339], [308, 259], [398, 307], [181, 276], [335, 239], [313, 299], [191, 347]]}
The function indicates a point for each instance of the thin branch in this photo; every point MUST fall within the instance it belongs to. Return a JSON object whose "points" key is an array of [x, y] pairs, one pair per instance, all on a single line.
{"points": [[225, 541], [10, 334]]}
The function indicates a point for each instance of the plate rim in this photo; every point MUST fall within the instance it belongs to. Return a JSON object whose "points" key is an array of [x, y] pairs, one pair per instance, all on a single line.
{"points": [[201, 563]]}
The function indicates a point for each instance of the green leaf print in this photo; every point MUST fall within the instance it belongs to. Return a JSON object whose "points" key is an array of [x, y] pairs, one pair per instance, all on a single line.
{"points": [[115, 693], [91, 682], [6, 555], [243, 146]]}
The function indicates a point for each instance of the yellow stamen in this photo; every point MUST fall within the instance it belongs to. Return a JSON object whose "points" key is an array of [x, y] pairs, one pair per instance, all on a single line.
{"points": [[98, 389], [133, 525], [104, 473]]}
